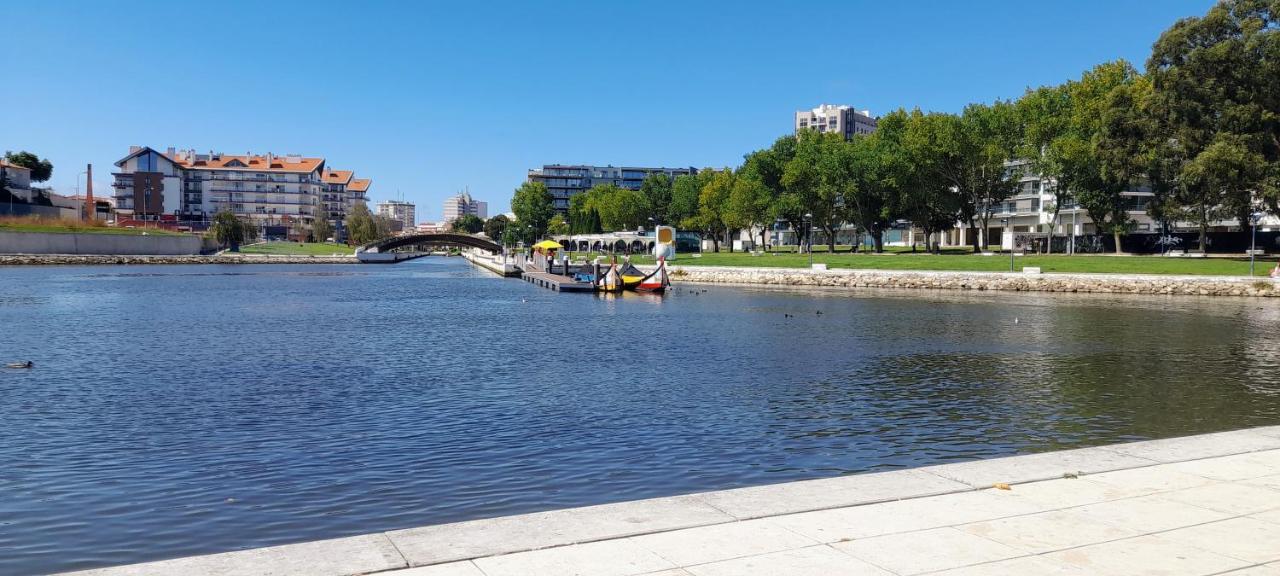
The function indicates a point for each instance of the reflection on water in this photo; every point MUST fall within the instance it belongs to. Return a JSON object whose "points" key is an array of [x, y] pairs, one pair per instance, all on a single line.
{"points": [[201, 409]]}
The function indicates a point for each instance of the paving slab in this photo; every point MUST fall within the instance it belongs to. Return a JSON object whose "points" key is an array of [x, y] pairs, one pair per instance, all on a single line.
{"points": [[1036, 467], [1049, 531], [808, 495], [450, 569], [1023, 566], [1150, 480], [1237, 467], [1231, 498], [609, 558], [1201, 446], [927, 551], [479, 538], [856, 522], [1268, 570], [1071, 492], [338, 557], [1145, 556], [722, 542], [812, 561], [1243, 538], [1150, 514]]}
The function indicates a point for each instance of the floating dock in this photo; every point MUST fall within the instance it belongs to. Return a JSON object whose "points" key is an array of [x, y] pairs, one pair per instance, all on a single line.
{"points": [[557, 282]]}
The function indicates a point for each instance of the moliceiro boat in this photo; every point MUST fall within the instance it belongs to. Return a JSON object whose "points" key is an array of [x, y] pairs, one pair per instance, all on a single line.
{"points": [[654, 282]]}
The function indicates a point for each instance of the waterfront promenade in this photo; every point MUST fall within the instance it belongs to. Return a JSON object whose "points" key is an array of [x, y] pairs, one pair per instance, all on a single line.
{"points": [[1198, 505]]}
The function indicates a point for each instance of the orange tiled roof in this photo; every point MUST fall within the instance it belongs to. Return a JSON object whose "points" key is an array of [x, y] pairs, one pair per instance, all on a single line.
{"points": [[278, 163], [337, 176], [359, 185]]}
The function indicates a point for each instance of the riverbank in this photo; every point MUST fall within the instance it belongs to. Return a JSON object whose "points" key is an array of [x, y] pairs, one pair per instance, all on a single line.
{"points": [[225, 258], [1151, 284], [1206, 504]]}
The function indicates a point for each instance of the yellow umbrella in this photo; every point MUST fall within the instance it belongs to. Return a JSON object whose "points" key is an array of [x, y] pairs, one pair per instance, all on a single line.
{"points": [[549, 245]]}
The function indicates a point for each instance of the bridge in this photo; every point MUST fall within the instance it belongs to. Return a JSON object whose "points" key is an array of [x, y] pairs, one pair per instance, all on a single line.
{"points": [[389, 250]]}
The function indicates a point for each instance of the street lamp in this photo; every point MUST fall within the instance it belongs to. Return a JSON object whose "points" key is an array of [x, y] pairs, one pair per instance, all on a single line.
{"points": [[1253, 241], [808, 236], [1005, 221]]}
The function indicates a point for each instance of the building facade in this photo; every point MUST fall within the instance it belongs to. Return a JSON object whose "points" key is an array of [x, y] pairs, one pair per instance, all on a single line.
{"points": [[270, 191], [400, 211], [463, 204], [565, 181], [843, 120]]}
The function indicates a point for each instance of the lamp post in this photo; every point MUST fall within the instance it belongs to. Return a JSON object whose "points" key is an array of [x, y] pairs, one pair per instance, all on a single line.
{"points": [[808, 236], [1253, 241], [1005, 222]]}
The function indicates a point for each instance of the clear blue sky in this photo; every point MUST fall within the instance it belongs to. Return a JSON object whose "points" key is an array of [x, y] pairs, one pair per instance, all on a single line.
{"points": [[426, 99]]}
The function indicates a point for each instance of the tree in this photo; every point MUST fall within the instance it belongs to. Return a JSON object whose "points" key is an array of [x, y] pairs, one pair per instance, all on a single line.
{"points": [[926, 197], [533, 207], [815, 181], [383, 227], [685, 190], [229, 230], [558, 226], [41, 169], [1111, 157], [467, 224], [619, 208], [872, 170], [321, 230], [712, 201], [750, 203], [656, 189], [360, 226], [494, 227], [1215, 92], [1052, 142]]}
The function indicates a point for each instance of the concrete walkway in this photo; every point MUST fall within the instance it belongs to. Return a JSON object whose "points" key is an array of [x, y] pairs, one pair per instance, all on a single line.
{"points": [[1198, 505]]}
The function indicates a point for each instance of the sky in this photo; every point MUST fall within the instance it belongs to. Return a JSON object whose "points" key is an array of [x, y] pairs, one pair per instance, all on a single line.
{"points": [[429, 98]]}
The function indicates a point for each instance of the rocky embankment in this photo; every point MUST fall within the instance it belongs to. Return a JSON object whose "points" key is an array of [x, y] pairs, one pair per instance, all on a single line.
{"points": [[1016, 282], [94, 260]]}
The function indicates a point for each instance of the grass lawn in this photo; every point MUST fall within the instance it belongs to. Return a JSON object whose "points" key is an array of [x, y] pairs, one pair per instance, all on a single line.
{"points": [[296, 249], [1102, 264], [72, 227]]}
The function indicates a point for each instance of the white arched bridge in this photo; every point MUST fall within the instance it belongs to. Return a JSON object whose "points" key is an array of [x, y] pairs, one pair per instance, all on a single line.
{"points": [[409, 246]]}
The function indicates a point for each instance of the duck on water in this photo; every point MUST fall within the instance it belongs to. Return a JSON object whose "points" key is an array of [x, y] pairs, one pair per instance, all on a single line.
{"points": [[19, 365]]}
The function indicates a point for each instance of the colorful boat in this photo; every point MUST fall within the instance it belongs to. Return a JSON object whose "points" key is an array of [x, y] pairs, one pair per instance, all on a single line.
{"points": [[631, 276], [608, 280], [657, 281]]}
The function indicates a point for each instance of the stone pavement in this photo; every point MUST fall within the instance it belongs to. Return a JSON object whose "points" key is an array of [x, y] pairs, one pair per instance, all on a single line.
{"points": [[1198, 505]]}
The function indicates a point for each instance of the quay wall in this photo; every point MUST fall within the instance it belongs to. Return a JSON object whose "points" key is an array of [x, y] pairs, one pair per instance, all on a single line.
{"points": [[97, 259], [995, 281], [104, 244]]}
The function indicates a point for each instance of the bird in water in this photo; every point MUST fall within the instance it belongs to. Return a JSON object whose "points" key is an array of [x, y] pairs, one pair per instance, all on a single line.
{"points": [[27, 364]]}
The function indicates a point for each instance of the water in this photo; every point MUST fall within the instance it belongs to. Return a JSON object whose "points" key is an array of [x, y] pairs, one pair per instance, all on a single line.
{"points": [[178, 410]]}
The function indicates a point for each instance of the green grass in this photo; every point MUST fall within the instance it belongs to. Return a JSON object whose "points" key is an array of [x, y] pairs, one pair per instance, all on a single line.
{"points": [[1095, 264], [72, 227], [296, 249]]}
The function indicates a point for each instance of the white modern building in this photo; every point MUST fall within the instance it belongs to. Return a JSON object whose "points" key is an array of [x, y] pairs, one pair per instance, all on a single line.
{"points": [[463, 204], [565, 181], [843, 120], [185, 187], [400, 211]]}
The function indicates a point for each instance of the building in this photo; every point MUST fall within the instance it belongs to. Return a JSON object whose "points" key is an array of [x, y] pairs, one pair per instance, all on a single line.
{"points": [[272, 191], [565, 181], [843, 120], [463, 204], [17, 182], [399, 211]]}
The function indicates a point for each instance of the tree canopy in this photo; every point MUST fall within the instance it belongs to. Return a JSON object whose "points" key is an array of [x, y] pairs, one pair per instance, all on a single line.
{"points": [[41, 169], [533, 207]]}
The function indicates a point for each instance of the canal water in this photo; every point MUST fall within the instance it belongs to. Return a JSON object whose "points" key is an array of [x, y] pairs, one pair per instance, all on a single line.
{"points": [[179, 410]]}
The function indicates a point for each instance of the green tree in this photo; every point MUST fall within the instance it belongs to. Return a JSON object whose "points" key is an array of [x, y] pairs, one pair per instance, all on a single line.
{"points": [[1106, 110], [685, 190], [321, 230], [494, 227], [926, 197], [713, 200], [750, 204], [360, 226], [467, 224], [656, 189], [41, 169], [1053, 142], [619, 208], [1219, 183], [815, 181], [229, 230], [558, 226], [533, 207]]}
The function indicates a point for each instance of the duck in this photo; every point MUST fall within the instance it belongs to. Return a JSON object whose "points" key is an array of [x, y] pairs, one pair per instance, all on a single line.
{"points": [[27, 364]]}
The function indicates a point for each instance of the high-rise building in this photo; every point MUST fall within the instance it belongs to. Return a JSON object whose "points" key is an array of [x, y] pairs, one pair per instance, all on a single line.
{"points": [[271, 191], [565, 181], [843, 120], [403, 212], [463, 204]]}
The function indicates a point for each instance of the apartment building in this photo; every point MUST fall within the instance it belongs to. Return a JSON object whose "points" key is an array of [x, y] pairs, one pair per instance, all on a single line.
{"points": [[272, 191], [564, 181], [843, 120], [400, 211], [463, 204]]}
